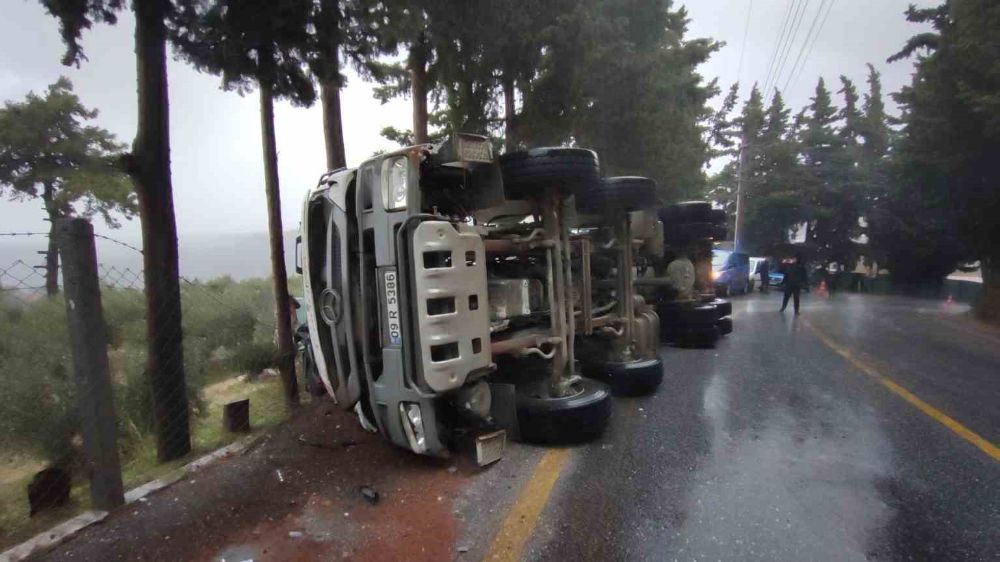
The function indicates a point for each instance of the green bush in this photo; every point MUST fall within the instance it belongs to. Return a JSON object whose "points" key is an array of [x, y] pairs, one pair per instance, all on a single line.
{"points": [[38, 400], [228, 326], [252, 358]]}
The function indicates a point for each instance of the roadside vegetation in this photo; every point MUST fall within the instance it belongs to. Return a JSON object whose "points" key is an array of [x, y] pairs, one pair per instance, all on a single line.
{"points": [[229, 352], [917, 193]]}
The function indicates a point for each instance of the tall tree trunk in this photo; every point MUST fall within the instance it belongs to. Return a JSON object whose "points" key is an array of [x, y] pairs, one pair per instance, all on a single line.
{"points": [[330, 17], [286, 352], [52, 252], [333, 127], [509, 140], [149, 165], [417, 64]]}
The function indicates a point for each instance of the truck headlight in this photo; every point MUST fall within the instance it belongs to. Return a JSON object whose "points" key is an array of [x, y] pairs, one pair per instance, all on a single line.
{"points": [[395, 176], [413, 425], [716, 274]]}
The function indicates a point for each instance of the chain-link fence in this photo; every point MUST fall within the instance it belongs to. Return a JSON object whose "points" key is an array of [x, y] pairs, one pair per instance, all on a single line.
{"points": [[161, 404]]}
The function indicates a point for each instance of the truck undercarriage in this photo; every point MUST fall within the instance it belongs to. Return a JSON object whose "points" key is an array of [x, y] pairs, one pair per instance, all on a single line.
{"points": [[455, 299]]}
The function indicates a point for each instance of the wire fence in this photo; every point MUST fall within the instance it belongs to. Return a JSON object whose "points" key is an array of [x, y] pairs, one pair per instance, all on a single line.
{"points": [[164, 403]]}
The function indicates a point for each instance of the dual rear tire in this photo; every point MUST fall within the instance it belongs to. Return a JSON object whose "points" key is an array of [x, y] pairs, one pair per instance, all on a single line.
{"points": [[577, 418]]}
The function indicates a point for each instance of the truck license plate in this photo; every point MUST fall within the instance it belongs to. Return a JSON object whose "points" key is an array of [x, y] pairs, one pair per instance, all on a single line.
{"points": [[490, 447], [393, 327]]}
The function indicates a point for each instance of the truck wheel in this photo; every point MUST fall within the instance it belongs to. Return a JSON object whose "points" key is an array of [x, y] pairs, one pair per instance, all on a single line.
{"points": [[687, 211], [565, 420], [699, 338], [720, 232], [618, 194], [634, 378], [530, 173], [688, 232], [725, 325], [723, 307]]}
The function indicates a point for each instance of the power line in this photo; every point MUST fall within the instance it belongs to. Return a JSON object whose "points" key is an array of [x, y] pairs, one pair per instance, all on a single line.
{"points": [[743, 49], [781, 39], [808, 52], [797, 25], [806, 41]]}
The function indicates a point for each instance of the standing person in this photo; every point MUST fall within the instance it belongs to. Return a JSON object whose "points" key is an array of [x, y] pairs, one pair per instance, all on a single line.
{"points": [[795, 276], [858, 276], [870, 275], [764, 270]]}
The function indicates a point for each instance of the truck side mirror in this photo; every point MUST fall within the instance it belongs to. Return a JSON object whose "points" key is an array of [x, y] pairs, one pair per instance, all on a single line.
{"points": [[298, 256]]}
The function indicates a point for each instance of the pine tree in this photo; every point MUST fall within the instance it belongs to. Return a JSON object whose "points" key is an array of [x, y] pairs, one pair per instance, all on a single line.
{"points": [[47, 152], [951, 135], [776, 203], [731, 137], [620, 77], [874, 127], [828, 183]]}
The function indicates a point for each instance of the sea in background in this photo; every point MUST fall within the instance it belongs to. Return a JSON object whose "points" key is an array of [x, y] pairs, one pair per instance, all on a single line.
{"points": [[202, 256]]}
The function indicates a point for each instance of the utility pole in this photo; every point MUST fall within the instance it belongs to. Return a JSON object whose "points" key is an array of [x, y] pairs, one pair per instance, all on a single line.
{"points": [[740, 198]]}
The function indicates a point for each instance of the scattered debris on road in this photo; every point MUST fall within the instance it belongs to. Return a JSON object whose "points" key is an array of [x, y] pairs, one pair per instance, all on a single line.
{"points": [[370, 495]]}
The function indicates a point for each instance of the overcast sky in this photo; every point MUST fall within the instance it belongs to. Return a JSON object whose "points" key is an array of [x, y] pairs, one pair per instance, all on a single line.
{"points": [[215, 135]]}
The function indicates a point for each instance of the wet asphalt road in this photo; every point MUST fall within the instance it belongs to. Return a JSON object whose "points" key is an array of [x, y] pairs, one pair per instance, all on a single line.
{"points": [[779, 444], [772, 446]]}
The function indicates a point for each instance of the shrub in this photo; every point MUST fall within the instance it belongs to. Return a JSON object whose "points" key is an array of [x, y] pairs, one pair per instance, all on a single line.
{"points": [[227, 325], [39, 395], [252, 358]]}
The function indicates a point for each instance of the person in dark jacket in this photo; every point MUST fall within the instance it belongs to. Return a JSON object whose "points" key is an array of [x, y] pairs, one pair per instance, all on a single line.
{"points": [[795, 276], [764, 270]]}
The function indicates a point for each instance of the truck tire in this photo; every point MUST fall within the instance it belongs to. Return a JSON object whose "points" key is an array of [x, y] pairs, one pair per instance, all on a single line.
{"points": [[704, 314], [725, 325], [700, 338], [634, 378], [720, 232], [531, 173], [686, 211], [689, 232], [723, 307], [617, 194], [566, 420], [685, 323]]}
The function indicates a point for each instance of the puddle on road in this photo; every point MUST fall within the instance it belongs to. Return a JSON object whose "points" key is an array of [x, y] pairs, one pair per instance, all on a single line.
{"points": [[796, 482]]}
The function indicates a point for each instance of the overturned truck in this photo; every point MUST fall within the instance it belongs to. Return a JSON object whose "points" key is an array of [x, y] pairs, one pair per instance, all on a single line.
{"points": [[447, 291]]}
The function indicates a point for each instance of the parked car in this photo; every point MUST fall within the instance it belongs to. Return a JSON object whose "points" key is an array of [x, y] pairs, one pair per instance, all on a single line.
{"points": [[730, 272]]}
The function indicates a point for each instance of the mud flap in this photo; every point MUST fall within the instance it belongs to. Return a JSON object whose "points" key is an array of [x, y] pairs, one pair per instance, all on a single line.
{"points": [[503, 408]]}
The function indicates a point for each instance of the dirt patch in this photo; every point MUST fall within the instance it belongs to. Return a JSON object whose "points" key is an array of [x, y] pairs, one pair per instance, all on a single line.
{"points": [[294, 496], [17, 468]]}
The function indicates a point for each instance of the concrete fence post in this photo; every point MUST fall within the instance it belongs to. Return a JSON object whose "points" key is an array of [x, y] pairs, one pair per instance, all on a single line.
{"points": [[89, 342]]}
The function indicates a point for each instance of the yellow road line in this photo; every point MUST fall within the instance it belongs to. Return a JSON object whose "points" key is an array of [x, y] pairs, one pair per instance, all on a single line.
{"points": [[944, 419], [523, 515]]}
